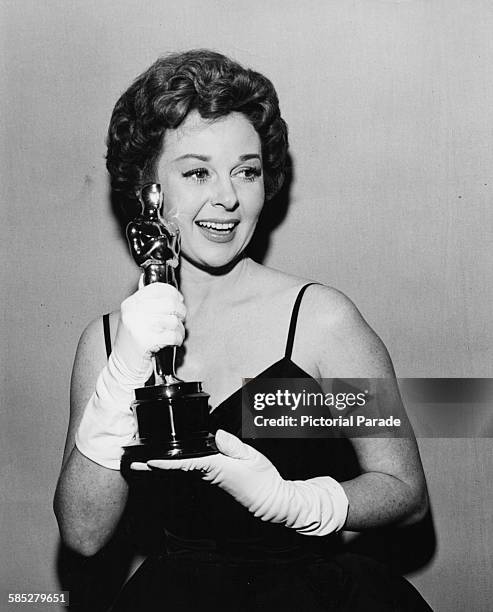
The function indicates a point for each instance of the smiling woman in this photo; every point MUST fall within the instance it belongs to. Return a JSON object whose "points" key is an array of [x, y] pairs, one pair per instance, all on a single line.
{"points": [[211, 174], [238, 524]]}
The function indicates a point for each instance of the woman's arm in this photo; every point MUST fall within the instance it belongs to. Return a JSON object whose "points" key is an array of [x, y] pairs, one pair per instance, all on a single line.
{"points": [[392, 487], [89, 498], [91, 492]]}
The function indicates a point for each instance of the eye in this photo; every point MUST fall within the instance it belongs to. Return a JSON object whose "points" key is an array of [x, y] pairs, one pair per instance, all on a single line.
{"points": [[200, 175], [249, 173]]}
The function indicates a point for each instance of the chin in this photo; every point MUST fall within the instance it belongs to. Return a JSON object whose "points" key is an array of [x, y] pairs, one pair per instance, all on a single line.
{"points": [[214, 264]]}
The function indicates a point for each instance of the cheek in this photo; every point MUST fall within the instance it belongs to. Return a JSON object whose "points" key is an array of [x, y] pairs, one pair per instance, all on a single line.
{"points": [[255, 214], [253, 201], [258, 207], [182, 202]]}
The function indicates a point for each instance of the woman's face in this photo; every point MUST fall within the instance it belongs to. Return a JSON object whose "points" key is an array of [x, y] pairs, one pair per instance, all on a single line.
{"points": [[211, 177]]}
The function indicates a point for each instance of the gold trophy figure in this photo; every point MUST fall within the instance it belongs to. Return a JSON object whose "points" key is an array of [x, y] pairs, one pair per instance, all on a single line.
{"points": [[172, 415]]}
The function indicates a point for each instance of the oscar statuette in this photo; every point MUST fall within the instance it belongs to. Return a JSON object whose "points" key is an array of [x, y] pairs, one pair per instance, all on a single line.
{"points": [[172, 415]]}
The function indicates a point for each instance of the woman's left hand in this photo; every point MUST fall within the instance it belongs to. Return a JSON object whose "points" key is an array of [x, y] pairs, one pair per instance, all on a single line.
{"points": [[313, 507], [239, 469]]}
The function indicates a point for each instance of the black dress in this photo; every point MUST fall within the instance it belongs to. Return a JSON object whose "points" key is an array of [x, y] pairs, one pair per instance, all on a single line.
{"points": [[218, 556]]}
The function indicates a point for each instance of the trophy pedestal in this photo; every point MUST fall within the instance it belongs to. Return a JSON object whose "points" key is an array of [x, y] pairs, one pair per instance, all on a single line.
{"points": [[173, 423]]}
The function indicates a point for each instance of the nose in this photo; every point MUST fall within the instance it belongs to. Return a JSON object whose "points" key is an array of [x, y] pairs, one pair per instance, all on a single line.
{"points": [[225, 195]]}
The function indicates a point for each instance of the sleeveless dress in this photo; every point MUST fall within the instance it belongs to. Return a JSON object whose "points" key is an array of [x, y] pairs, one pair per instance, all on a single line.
{"points": [[215, 555]]}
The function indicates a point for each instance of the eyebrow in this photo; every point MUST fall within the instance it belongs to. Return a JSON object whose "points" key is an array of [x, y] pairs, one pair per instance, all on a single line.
{"points": [[249, 156], [206, 158]]}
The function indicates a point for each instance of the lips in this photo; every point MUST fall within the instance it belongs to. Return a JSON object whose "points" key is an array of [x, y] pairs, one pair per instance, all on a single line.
{"points": [[217, 230]]}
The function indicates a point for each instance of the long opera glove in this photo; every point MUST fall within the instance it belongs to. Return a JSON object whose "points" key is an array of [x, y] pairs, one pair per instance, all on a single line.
{"points": [[317, 506], [150, 319]]}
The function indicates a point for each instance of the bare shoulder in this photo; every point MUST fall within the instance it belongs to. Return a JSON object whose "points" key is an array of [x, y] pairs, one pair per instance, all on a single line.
{"points": [[91, 349], [331, 308], [332, 337], [91, 355], [344, 344], [90, 359]]}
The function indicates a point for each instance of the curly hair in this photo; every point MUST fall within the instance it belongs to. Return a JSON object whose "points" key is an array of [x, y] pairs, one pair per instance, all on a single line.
{"points": [[161, 98]]}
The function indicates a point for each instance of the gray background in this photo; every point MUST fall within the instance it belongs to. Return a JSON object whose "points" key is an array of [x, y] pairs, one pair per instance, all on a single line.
{"points": [[390, 109]]}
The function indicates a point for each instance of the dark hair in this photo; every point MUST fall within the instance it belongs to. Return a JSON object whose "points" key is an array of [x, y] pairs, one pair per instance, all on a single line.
{"points": [[162, 97]]}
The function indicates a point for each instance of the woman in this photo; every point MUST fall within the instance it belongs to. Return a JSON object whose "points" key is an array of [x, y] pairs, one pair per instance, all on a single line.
{"points": [[238, 525]]}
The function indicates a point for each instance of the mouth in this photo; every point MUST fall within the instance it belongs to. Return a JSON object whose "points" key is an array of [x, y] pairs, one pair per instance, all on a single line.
{"points": [[217, 230]]}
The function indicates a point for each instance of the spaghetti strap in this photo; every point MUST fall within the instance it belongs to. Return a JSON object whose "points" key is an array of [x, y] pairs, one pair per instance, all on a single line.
{"points": [[107, 335], [294, 319]]}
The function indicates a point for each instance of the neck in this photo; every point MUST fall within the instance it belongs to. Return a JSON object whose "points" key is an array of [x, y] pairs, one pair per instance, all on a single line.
{"points": [[198, 284]]}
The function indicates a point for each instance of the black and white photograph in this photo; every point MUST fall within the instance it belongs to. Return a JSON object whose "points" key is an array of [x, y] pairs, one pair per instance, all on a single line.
{"points": [[247, 341]]}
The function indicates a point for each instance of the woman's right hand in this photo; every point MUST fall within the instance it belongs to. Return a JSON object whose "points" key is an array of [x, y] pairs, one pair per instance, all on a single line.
{"points": [[150, 319]]}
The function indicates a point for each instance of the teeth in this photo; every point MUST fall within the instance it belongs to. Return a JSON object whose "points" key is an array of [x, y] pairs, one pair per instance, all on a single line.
{"points": [[216, 226]]}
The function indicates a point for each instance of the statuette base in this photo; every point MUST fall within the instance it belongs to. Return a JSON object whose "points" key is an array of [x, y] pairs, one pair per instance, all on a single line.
{"points": [[172, 422]]}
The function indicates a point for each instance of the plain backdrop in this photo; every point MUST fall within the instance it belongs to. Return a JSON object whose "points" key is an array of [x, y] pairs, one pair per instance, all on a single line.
{"points": [[390, 107]]}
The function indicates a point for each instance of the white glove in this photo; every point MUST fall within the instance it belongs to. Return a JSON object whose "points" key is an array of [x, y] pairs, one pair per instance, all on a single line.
{"points": [[150, 319], [318, 506]]}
